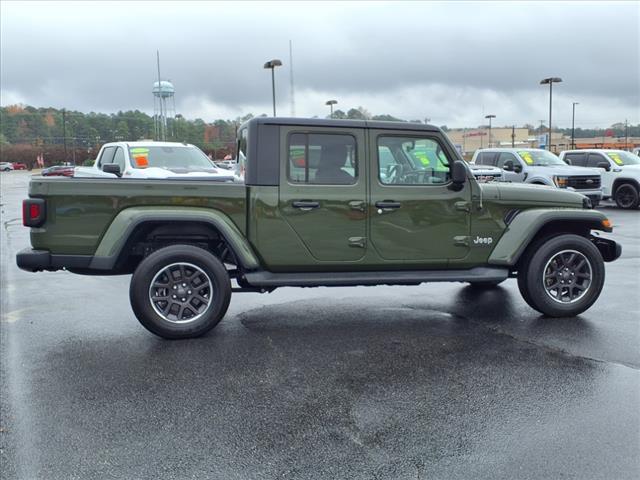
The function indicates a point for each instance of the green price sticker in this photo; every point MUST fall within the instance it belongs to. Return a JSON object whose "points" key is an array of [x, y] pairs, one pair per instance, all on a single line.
{"points": [[139, 150]]}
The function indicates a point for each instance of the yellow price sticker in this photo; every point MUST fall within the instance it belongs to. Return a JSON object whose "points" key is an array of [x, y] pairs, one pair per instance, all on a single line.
{"points": [[526, 156], [615, 157]]}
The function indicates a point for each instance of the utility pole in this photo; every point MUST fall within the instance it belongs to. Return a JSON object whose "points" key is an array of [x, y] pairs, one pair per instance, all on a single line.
{"points": [[293, 97], [64, 132], [626, 134], [489, 117], [573, 126], [271, 65], [550, 81], [513, 136]]}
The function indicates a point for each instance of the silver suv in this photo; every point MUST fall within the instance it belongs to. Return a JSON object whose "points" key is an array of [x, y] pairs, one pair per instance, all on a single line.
{"points": [[541, 167]]}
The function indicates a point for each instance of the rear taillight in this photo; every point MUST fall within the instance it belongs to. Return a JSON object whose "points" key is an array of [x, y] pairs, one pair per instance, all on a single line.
{"points": [[33, 212]]}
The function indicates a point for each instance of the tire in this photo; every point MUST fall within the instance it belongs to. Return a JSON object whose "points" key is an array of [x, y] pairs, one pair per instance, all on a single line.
{"points": [[627, 196], [195, 284], [563, 276], [485, 285]]}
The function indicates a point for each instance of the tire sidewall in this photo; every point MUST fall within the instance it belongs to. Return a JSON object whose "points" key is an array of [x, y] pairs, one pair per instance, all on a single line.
{"points": [[148, 269], [537, 295]]}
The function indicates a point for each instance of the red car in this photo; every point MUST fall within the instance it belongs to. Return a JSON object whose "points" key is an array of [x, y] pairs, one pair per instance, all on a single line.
{"points": [[19, 166], [58, 170]]}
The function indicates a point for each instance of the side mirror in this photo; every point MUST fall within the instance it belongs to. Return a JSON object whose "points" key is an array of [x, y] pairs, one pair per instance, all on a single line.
{"points": [[458, 174], [517, 168], [508, 166], [112, 168], [604, 165]]}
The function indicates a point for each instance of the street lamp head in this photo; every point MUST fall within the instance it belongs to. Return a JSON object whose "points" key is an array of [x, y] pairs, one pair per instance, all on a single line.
{"points": [[331, 102], [545, 81], [273, 63]]}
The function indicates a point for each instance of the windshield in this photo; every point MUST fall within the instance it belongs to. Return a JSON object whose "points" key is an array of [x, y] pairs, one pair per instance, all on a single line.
{"points": [[620, 157], [540, 158], [182, 157]]}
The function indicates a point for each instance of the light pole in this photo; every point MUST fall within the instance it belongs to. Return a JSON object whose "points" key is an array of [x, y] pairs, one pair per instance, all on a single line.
{"points": [[550, 81], [573, 126], [331, 103], [489, 117], [272, 64]]}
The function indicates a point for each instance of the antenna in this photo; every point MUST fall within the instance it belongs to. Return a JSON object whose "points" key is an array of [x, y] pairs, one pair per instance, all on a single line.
{"points": [[293, 98]]}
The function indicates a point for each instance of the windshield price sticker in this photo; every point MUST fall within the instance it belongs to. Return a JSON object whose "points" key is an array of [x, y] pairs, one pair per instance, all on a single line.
{"points": [[616, 158], [526, 156]]}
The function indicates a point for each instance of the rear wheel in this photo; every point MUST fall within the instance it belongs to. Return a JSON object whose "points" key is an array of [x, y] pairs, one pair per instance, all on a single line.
{"points": [[627, 196], [180, 291], [563, 277]]}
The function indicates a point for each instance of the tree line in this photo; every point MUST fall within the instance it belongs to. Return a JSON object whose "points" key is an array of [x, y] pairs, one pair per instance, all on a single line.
{"points": [[68, 135]]}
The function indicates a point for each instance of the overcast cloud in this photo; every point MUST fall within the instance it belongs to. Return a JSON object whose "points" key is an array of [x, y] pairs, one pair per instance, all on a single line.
{"points": [[450, 62]]}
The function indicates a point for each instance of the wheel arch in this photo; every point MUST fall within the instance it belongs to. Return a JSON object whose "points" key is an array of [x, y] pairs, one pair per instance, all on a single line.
{"points": [[540, 181], [620, 181], [531, 226], [136, 225]]}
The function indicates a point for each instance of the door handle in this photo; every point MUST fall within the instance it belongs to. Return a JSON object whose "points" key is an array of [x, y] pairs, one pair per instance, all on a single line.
{"points": [[387, 205], [305, 205], [358, 205]]}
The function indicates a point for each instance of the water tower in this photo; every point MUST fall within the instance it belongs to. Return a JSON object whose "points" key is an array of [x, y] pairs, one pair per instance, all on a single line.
{"points": [[164, 108]]}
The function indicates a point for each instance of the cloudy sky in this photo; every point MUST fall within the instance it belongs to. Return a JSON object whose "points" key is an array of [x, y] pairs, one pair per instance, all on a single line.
{"points": [[451, 62]]}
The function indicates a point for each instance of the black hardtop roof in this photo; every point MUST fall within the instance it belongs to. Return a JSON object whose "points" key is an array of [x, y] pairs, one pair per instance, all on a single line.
{"points": [[324, 122]]}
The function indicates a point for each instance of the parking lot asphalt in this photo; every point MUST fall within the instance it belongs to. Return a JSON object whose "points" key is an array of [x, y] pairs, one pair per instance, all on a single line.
{"points": [[428, 382]]}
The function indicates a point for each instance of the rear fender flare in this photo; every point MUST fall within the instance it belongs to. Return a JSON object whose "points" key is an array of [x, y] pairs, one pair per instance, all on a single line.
{"points": [[524, 228], [124, 224]]}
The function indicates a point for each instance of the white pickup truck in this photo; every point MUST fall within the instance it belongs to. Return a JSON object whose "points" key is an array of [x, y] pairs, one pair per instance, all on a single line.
{"points": [[620, 172], [153, 160]]}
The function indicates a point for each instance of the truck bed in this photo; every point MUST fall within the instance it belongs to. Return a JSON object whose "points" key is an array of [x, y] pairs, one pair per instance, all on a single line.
{"points": [[79, 210]]}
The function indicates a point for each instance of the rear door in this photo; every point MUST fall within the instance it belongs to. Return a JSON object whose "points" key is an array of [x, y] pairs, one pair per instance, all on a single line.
{"points": [[415, 216], [323, 190]]}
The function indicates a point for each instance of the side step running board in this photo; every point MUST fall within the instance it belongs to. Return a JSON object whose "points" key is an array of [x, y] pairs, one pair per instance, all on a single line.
{"points": [[405, 277]]}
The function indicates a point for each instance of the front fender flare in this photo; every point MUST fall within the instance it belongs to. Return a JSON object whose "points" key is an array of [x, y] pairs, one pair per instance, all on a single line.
{"points": [[116, 236], [524, 227], [540, 180]]}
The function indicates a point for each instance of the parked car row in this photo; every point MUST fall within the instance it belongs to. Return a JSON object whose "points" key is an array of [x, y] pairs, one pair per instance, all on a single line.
{"points": [[8, 166], [597, 174]]}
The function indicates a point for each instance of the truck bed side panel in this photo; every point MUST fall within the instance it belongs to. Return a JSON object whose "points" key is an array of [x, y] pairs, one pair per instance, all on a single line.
{"points": [[79, 211]]}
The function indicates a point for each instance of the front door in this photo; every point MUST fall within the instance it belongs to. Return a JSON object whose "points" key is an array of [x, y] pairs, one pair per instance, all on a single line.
{"points": [[415, 215], [517, 174], [323, 191]]}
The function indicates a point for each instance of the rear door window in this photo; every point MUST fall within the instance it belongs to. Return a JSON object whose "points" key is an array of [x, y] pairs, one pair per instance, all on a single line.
{"points": [[576, 159], [487, 158], [324, 159]]}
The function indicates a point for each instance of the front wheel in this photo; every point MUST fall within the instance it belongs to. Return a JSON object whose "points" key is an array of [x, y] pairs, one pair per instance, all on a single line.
{"points": [[627, 196], [180, 291], [563, 277]]}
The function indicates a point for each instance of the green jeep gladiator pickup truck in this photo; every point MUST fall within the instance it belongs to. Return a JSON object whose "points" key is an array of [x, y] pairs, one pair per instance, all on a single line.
{"points": [[323, 203]]}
